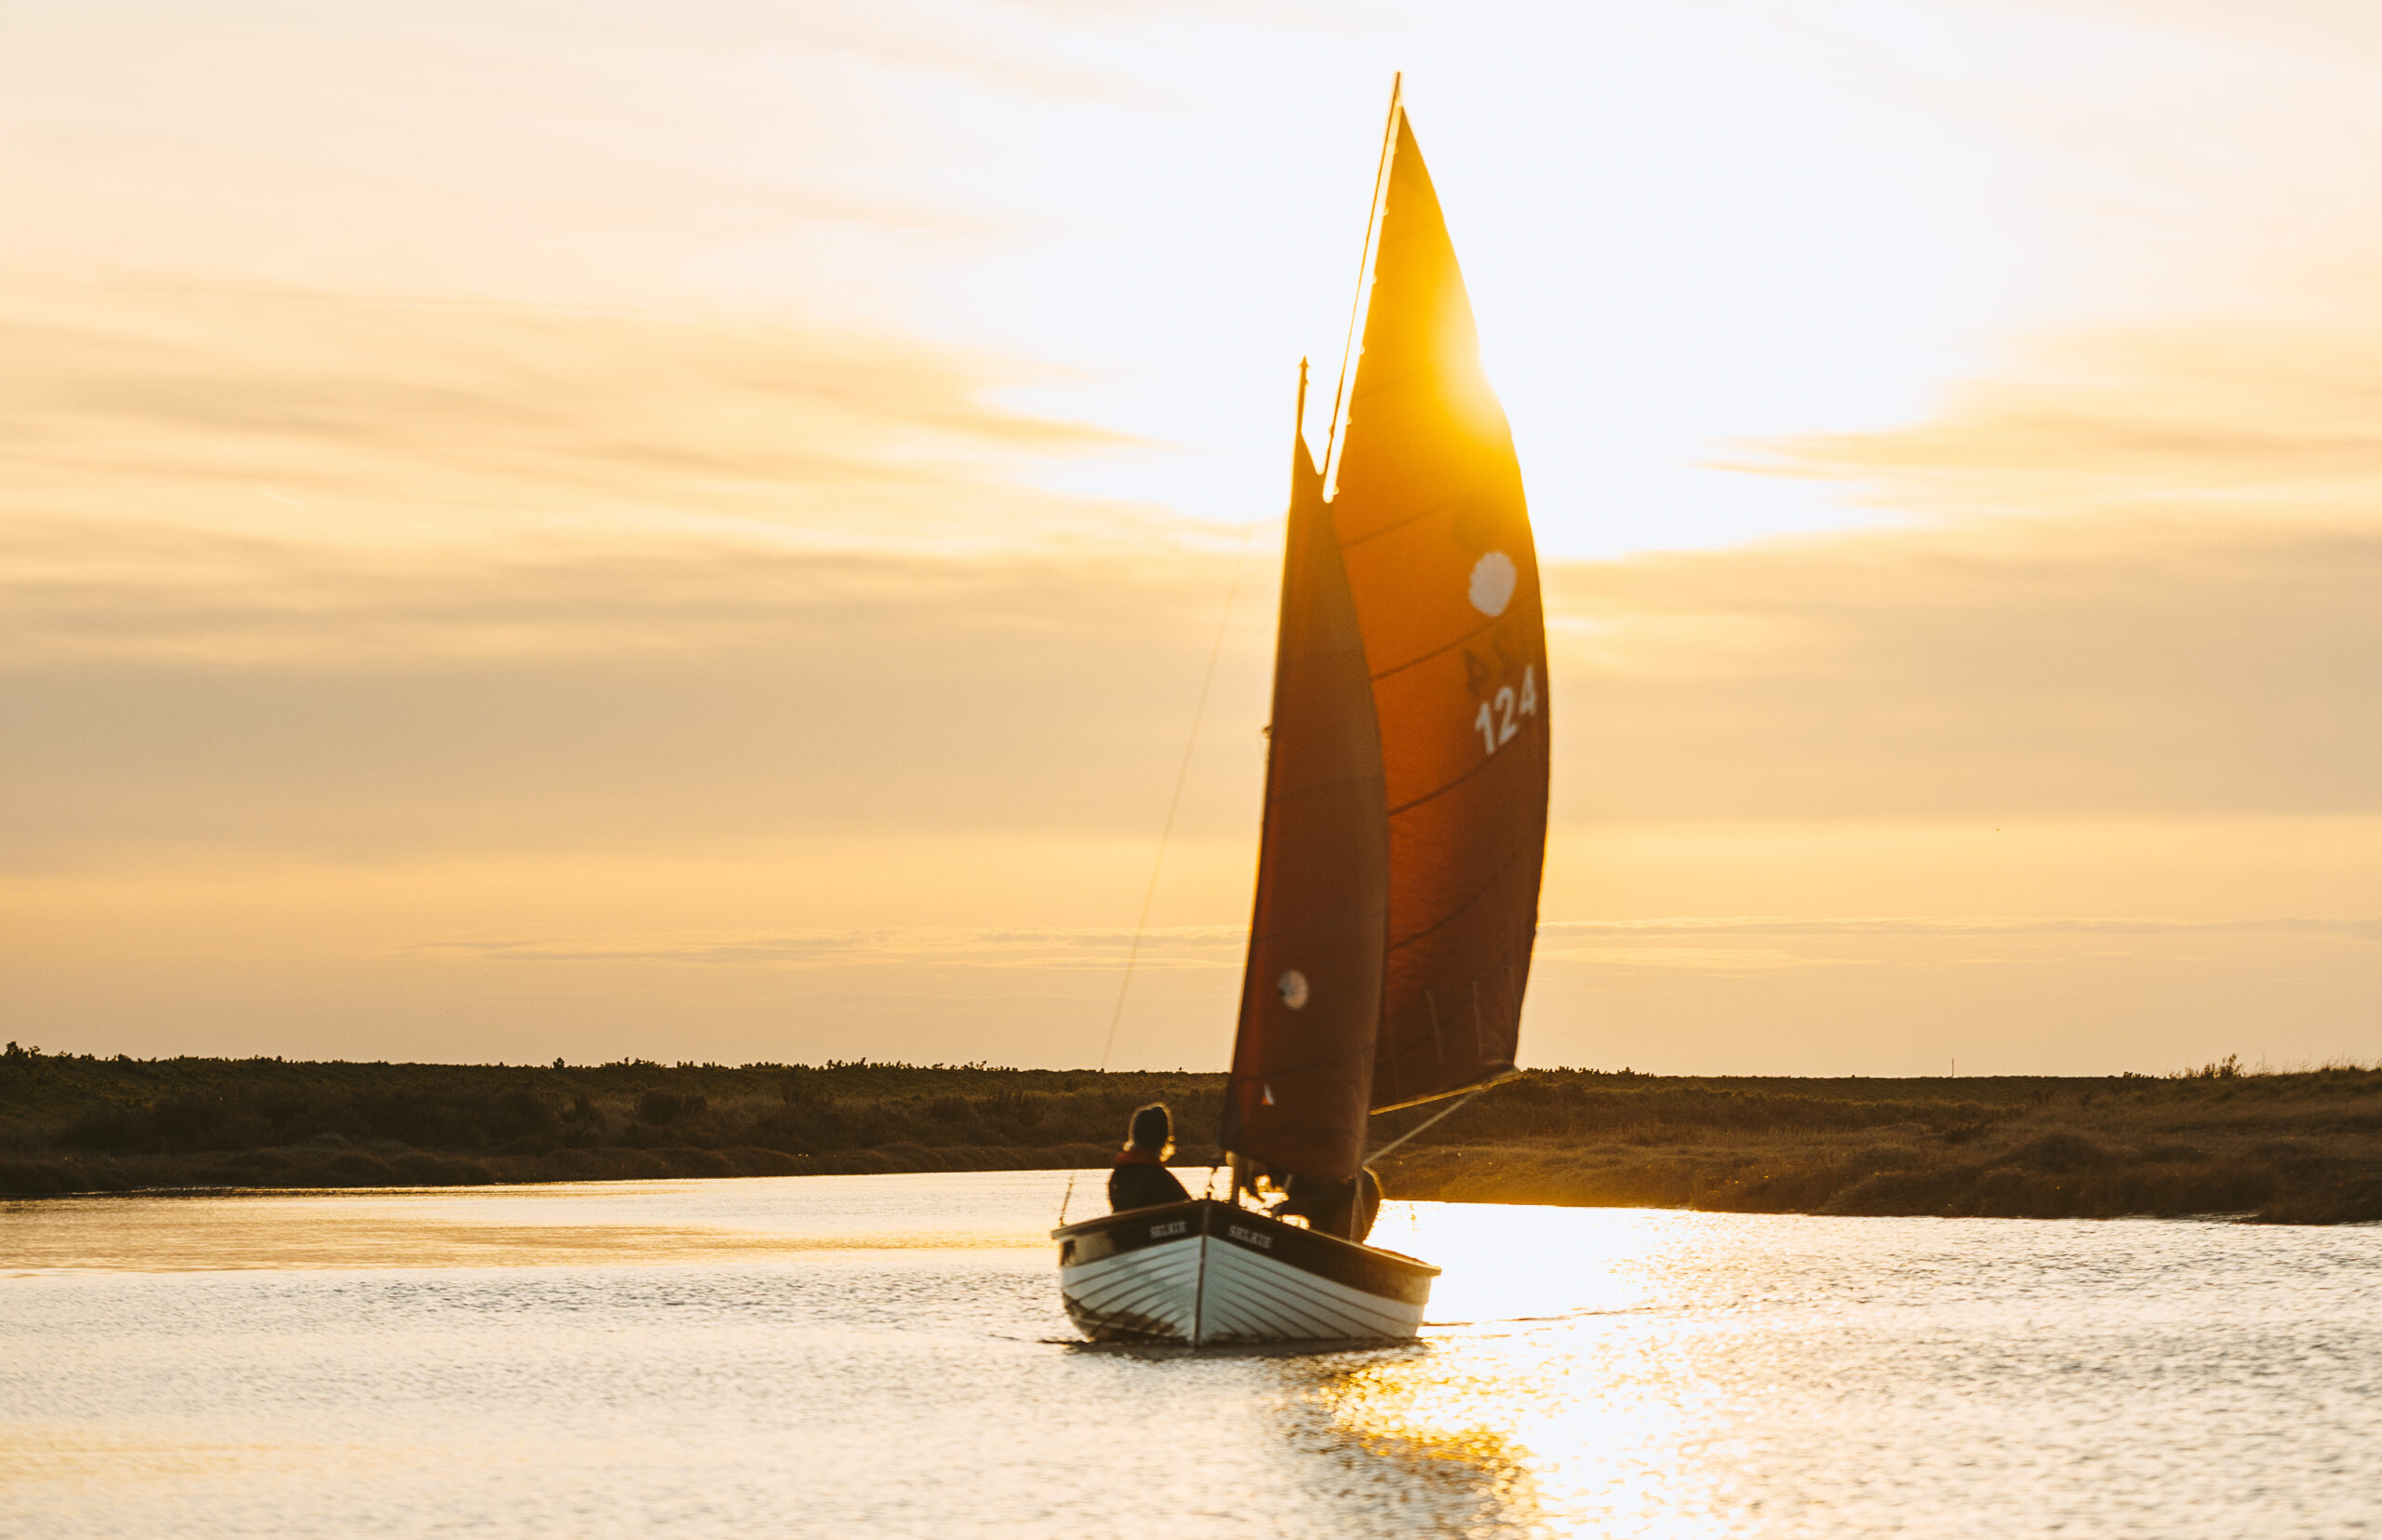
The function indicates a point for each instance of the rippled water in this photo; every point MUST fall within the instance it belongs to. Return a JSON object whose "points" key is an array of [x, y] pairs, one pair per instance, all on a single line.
{"points": [[872, 1356]]}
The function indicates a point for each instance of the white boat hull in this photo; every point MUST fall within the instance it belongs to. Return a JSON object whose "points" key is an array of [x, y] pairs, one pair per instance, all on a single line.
{"points": [[1209, 1274]]}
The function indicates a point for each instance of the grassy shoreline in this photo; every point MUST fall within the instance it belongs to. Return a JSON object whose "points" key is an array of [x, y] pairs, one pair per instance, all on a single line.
{"points": [[2300, 1147]]}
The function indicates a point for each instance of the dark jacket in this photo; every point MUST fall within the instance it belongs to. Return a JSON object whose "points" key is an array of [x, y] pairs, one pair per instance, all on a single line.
{"points": [[1139, 1181]]}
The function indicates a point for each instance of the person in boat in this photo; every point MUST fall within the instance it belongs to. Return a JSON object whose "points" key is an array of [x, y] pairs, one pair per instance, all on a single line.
{"points": [[1345, 1209], [1140, 1179]]}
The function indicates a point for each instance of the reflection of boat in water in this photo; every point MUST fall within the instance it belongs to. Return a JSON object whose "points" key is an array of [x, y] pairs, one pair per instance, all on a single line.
{"points": [[1405, 826]]}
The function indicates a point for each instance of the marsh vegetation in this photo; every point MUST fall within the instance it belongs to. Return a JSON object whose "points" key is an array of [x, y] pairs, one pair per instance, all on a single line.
{"points": [[2304, 1146]]}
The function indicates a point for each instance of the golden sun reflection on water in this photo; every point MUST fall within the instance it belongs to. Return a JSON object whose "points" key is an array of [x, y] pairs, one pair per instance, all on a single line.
{"points": [[1579, 1427], [1444, 1428], [1549, 1385]]}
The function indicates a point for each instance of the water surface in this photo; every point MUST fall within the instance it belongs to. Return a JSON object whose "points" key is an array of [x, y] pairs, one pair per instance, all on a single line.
{"points": [[884, 1356]]}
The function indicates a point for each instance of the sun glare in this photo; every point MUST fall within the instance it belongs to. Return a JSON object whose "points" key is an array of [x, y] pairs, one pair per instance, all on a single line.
{"points": [[1555, 1389]]}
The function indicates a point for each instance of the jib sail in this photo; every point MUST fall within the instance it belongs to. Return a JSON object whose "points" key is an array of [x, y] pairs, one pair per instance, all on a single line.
{"points": [[1310, 1005]]}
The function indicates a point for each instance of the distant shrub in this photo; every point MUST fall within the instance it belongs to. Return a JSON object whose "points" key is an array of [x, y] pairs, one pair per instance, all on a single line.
{"points": [[2062, 1150], [663, 1108], [411, 1117], [193, 1122], [516, 1113], [116, 1129]]}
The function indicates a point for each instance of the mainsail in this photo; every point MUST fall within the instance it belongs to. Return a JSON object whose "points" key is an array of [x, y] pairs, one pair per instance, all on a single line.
{"points": [[1437, 542], [1406, 784], [1310, 999]]}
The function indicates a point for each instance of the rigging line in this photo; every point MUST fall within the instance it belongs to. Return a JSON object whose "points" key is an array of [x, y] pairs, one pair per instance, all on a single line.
{"points": [[1173, 806], [1174, 803], [1426, 1122], [1364, 260]]}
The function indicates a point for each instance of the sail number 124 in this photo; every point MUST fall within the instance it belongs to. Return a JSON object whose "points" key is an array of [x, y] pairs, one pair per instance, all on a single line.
{"points": [[1498, 726]]}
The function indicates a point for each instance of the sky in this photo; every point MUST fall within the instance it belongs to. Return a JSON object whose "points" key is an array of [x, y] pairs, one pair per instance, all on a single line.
{"points": [[535, 530]]}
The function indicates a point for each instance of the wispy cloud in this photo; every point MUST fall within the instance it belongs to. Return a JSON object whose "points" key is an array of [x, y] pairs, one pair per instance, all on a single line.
{"points": [[1681, 941], [2124, 664], [1709, 959], [199, 690], [723, 685], [2362, 928], [79, 593], [2261, 416], [1095, 948], [397, 420]]}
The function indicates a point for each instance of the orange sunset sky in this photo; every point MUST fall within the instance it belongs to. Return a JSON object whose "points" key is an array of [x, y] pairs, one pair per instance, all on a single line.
{"points": [[694, 531]]}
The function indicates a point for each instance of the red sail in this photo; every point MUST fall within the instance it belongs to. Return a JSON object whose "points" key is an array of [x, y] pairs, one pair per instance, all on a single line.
{"points": [[1437, 547], [1311, 999]]}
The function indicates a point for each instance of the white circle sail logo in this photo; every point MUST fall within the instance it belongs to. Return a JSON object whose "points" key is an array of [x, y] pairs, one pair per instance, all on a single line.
{"points": [[1292, 986], [1492, 582]]}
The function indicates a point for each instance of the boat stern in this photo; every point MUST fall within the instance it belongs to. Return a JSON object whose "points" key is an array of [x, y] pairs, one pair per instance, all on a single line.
{"points": [[1135, 1275]]}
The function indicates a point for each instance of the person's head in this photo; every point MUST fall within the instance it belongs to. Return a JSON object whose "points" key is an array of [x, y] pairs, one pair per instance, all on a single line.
{"points": [[1151, 1129]]}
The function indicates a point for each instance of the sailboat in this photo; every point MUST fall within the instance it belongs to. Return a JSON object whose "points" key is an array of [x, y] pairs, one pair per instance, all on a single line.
{"points": [[1405, 827]]}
